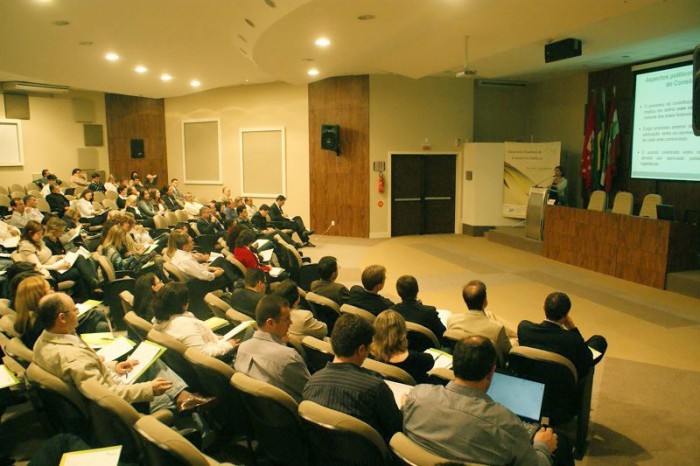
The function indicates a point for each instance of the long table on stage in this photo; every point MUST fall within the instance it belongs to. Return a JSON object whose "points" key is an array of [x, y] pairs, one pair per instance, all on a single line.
{"points": [[641, 250]]}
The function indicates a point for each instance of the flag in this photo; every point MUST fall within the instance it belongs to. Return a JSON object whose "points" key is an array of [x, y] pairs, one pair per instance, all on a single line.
{"points": [[599, 142], [586, 153], [612, 147]]}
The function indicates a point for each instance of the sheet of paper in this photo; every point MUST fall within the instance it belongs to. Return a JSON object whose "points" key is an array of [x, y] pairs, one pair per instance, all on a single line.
{"points": [[215, 323], [276, 271], [266, 255], [115, 350], [441, 358], [213, 256], [595, 353], [7, 378], [150, 248], [238, 329], [11, 242], [399, 390], [72, 256], [146, 354], [87, 305], [259, 243], [444, 314], [97, 340], [108, 456]]}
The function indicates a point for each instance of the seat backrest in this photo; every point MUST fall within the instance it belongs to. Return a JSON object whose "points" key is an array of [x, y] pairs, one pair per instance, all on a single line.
{"points": [[18, 188], [275, 420], [294, 257], [413, 454], [7, 325], [112, 195], [42, 205], [166, 447], [598, 201], [171, 218], [62, 405], [98, 196], [4, 190], [113, 420], [238, 317], [5, 200], [16, 348], [181, 216], [110, 204], [324, 309], [318, 353], [649, 205], [138, 325], [174, 272], [127, 300], [16, 193], [31, 187], [559, 375], [358, 311], [389, 372], [106, 266], [440, 376], [217, 305], [623, 203], [174, 357], [215, 375], [338, 438], [160, 222], [420, 338]]}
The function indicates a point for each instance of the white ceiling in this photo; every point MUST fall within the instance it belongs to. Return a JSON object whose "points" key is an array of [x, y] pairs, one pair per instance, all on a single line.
{"points": [[211, 41]]}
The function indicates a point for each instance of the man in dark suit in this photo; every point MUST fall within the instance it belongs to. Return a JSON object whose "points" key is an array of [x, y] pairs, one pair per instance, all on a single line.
{"points": [[96, 184], [367, 296], [558, 334], [58, 203], [208, 224], [413, 310], [246, 299], [296, 224], [326, 286]]}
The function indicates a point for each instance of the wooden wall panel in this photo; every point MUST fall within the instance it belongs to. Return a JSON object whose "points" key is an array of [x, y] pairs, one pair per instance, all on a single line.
{"points": [[339, 185], [128, 118]]}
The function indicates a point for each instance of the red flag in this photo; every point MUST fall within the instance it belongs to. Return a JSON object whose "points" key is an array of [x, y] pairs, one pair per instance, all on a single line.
{"points": [[587, 151], [612, 144]]}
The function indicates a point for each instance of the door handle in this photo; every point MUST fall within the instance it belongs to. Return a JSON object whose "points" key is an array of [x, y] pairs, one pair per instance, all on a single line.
{"points": [[406, 199], [438, 198]]}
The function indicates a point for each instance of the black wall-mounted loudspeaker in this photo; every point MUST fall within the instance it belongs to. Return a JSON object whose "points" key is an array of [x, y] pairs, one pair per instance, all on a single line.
{"points": [[696, 91], [137, 150], [562, 49], [330, 138]]}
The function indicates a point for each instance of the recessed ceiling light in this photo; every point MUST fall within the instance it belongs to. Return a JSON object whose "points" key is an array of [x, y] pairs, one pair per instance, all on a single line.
{"points": [[112, 56], [243, 51], [165, 77], [307, 59], [140, 69], [61, 23], [195, 83], [85, 42], [271, 3], [250, 23], [366, 17], [242, 38], [313, 72], [322, 42]]}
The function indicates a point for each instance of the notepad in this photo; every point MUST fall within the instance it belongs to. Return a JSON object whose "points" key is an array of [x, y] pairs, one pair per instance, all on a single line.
{"points": [[595, 353], [11, 242], [72, 256], [399, 390], [146, 354], [443, 315], [108, 456], [238, 330], [97, 340], [441, 358], [87, 305], [213, 256], [260, 243], [275, 271], [7, 378], [116, 349], [266, 255], [216, 323]]}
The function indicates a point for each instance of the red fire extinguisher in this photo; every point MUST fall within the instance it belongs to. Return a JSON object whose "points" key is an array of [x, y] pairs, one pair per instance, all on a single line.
{"points": [[380, 186]]}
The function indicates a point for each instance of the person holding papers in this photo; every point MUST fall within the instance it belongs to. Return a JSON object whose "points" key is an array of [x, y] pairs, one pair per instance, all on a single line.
{"points": [[88, 213], [32, 249], [558, 334], [180, 250], [62, 353], [59, 240], [245, 255], [170, 309], [122, 253], [461, 423], [390, 345], [7, 231]]}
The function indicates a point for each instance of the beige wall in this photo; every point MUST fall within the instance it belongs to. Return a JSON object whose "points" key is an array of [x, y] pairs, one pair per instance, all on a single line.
{"points": [[259, 106], [51, 138], [404, 112]]}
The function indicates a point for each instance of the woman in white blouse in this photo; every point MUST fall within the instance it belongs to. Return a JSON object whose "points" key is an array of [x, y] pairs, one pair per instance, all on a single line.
{"points": [[88, 213], [170, 309]]}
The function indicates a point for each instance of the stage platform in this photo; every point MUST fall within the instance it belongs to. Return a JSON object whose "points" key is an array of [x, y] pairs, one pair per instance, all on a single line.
{"points": [[515, 238], [687, 283]]}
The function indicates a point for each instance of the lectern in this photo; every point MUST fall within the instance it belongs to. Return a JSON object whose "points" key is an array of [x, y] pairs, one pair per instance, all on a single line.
{"points": [[534, 215]]}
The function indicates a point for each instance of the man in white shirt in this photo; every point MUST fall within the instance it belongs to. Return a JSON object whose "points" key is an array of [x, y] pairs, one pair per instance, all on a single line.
{"points": [[51, 180], [266, 357], [22, 212], [191, 207]]}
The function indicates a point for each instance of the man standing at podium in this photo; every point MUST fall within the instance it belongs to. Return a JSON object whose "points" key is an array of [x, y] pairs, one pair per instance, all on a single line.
{"points": [[557, 190]]}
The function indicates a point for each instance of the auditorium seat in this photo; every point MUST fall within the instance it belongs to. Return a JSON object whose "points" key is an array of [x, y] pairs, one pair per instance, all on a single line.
{"points": [[413, 454], [623, 204], [598, 201], [358, 311], [338, 438], [649, 205], [420, 338], [389, 372]]}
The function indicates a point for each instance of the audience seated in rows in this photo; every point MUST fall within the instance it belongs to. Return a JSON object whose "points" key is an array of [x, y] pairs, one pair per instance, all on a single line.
{"points": [[413, 310], [266, 357], [326, 285], [390, 345], [343, 385], [367, 296], [295, 224], [170, 309]]}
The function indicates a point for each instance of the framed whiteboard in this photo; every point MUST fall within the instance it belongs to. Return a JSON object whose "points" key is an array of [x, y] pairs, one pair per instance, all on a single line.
{"points": [[201, 151], [263, 155], [11, 150]]}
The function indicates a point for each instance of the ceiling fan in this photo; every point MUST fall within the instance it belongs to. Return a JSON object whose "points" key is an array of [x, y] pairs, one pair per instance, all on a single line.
{"points": [[466, 72]]}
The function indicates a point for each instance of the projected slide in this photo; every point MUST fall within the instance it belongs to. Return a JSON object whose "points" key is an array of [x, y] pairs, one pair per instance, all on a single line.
{"points": [[663, 144]]}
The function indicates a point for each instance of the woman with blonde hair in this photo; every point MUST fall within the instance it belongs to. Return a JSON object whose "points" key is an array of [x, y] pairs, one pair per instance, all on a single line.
{"points": [[390, 345]]}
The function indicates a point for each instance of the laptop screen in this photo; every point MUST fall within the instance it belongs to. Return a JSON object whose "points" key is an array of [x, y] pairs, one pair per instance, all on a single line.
{"points": [[523, 397]]}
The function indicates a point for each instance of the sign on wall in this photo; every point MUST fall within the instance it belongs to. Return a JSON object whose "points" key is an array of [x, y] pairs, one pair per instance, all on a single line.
{"points": [[526, 165]]}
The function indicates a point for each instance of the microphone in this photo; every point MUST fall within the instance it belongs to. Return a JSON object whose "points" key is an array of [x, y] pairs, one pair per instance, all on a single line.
{"points": [[537, 185]]}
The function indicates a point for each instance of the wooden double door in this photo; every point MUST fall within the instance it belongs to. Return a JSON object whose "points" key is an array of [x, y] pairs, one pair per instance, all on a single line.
{"points": [[422, 194]]}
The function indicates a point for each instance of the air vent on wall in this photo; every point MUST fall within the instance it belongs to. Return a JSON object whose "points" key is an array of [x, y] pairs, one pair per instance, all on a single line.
{"points": [[20, 87], [502, 83]]}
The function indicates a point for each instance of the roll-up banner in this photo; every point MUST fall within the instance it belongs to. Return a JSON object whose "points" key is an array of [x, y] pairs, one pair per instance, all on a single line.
{"points": [[526, 164]]}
